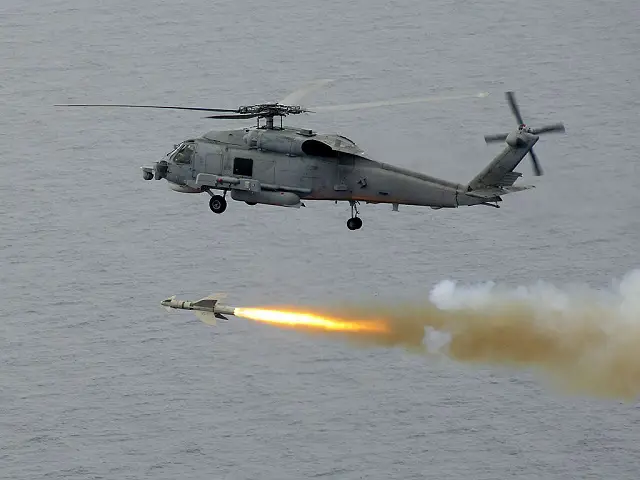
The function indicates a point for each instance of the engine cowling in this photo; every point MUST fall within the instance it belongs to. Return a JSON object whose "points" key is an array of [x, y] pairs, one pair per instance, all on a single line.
{"points": [[288, 145], [281, 199]]}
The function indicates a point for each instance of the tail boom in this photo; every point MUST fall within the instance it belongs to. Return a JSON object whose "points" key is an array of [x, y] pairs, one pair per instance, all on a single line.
{"points": [[499, 175]]}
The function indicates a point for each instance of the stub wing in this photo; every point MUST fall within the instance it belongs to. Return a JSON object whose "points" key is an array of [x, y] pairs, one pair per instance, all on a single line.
{"points": [[493, 192]]}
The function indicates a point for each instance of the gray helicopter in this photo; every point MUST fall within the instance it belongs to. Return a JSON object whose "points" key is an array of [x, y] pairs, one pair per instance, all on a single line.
{"points": [[282, 165]]}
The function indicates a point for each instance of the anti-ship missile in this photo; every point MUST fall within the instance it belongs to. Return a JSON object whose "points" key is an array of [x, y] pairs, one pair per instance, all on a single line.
{"points": [[206, 309]]}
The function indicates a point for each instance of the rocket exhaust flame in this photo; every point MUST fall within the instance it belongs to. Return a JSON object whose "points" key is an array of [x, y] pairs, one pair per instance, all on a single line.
{"points": [[586, 341], [315, 321]]}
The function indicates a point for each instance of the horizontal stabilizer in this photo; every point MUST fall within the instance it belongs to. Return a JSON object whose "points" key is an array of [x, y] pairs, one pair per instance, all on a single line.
{"points": [[508, 179], [490, 193]]}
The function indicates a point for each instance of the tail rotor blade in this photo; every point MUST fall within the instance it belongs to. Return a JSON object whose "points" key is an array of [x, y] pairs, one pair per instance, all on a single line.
{"points": [[537, 170], [499, 137], [555, 127], [511, 99]]}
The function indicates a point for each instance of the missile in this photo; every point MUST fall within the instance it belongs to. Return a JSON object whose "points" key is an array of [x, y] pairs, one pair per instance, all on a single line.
{"points": [[206, 309]]}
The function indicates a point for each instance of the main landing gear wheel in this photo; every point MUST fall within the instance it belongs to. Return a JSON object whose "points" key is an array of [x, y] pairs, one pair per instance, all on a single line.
{"points": [[217, 204], [355, 222]]}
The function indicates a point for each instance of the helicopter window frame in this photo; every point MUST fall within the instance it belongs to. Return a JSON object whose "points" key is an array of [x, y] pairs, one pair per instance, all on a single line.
{"points": [[179, 156], [243, 167], [174, 150]]}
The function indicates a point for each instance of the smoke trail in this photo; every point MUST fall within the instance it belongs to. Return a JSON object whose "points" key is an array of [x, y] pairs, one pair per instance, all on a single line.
{"points": [[585, 340]]}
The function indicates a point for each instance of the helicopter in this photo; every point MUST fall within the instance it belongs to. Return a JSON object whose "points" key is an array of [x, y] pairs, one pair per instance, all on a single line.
{"points": [[271, 164]]}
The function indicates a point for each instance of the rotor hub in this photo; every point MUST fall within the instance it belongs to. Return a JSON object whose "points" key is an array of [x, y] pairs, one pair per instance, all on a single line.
{"points": [[270, 110]]}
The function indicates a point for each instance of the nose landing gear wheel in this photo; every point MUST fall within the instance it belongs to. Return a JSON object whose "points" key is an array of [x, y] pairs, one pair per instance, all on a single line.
{"points": [[354, 223], [217, 204]]}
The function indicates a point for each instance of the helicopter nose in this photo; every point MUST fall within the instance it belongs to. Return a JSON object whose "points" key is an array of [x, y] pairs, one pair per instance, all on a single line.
{"points": [[161, 169], [147, 173]]}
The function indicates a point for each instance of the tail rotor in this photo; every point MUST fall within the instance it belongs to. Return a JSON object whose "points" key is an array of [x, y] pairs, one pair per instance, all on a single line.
{"points": [[515, 110]]}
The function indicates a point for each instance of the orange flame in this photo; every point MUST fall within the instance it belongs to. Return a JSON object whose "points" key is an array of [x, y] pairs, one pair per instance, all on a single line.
{"points": [[309, 320]]}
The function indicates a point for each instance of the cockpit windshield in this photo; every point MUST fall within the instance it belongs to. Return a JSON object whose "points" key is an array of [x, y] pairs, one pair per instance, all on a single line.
{"points": [[174, 150], [184, 153]]}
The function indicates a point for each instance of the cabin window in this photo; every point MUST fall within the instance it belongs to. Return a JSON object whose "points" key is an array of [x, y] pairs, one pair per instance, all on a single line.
{"points": [[243, 167], [185, 154]]}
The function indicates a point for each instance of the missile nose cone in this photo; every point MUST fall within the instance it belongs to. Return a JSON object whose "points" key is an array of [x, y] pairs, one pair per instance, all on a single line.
{"points": [[166, 303]]}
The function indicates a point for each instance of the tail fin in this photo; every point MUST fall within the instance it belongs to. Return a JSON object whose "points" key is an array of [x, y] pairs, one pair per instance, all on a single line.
{"points": [[499, 175], [206, 317], [209, 302]]}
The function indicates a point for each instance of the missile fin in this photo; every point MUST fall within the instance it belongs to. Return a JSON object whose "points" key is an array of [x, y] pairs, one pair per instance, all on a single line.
{"points": [[216, 296], [170, 299], [206, 317]]}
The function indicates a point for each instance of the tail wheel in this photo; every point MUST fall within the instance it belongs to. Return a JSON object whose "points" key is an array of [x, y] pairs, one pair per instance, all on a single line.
{"points": [[354, 223]]}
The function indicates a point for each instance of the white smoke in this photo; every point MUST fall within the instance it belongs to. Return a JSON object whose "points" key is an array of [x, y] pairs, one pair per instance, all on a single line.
{"points": [[586, 339]]}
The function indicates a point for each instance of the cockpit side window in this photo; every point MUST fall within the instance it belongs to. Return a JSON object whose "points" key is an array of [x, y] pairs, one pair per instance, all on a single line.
{"points": [[185, 154]]}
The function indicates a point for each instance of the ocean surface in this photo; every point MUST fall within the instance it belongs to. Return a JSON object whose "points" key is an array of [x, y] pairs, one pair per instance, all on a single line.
{"points": [[98, 381]]}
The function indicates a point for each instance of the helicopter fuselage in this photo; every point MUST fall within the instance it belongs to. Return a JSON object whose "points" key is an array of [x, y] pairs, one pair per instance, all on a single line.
{"points": [[284, 166]]}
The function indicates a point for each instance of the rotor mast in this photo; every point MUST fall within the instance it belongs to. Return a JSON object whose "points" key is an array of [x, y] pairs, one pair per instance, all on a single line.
{"points": [[269, 122]]}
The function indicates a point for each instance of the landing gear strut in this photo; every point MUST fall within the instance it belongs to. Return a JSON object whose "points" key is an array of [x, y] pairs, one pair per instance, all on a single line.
{"points": [[355, 222], [217, 203]]}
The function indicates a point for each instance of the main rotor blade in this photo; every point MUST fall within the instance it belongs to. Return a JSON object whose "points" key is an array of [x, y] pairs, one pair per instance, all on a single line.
{"points": [[236, 116], [295, 97], [387, 103], [537, 170], [514, 107], [199, 109], [555, 127]]}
